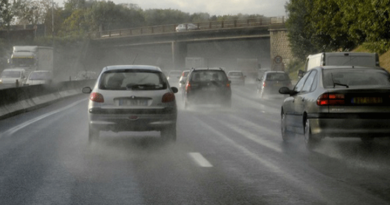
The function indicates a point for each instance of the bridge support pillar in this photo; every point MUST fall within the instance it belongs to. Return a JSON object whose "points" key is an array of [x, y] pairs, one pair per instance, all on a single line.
{"points": [[179, 53]]}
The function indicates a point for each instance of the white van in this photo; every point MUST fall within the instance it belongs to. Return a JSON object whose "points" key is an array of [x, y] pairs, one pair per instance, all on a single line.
{"points": [[342, 58], [39, 77], [11, 75]]}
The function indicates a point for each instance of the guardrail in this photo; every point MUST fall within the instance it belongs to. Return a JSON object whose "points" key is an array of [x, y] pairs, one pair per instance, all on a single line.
{"points": [[21, 99], [211, 25]]}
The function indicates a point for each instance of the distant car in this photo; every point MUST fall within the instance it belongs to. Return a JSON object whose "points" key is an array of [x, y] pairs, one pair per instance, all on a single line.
{"points": [[174, 76], [13, 75], [207, 85], [236, 77], [337, 101], [269, 84], [39, 77], [183, 79], [186, 27], [132, 98]]}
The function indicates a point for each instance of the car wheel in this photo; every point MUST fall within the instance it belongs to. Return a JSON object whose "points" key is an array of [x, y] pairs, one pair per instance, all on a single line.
{"points": [[286, 135], [93, 134], [169, 133], [310, 141]]}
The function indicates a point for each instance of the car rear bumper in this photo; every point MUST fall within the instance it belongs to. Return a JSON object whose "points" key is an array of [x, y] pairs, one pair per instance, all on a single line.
{"points": [[132, 121], [351, 125], [206, 98]]}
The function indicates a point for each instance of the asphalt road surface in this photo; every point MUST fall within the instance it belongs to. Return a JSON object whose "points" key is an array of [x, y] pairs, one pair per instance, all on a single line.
{"points": [[222, 156]]}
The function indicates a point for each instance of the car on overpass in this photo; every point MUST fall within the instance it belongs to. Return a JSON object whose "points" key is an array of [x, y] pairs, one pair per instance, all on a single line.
{"points": [[186, 27], [337, 101], [132, 98]]}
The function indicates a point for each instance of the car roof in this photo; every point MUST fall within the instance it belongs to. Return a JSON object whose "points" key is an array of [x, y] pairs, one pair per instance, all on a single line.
{"points": [[132, 67], [235, 71], [274, 71], [348, 67], [41, 71], [214, 69]]}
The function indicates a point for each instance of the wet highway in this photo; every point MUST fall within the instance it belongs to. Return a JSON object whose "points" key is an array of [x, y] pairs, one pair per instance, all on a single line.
{"points": [[221, 156]]}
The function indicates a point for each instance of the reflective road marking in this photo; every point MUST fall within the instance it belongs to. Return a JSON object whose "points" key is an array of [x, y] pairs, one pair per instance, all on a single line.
{"points": [[200, 159]]}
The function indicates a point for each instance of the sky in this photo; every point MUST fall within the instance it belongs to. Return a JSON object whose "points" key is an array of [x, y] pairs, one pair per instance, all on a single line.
{"points": [[269, 8]]}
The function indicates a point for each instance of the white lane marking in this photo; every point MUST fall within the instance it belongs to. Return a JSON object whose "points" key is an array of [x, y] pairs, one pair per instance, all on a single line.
{"points": [[27, 123], [198, 158]]}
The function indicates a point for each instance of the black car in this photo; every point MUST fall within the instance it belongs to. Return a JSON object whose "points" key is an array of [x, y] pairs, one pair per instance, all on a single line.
{"points": [[270, 83], [207, 85]]}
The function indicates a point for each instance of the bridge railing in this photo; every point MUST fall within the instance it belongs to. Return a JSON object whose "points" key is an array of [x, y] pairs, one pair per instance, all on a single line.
{"points": [[211, 25]]}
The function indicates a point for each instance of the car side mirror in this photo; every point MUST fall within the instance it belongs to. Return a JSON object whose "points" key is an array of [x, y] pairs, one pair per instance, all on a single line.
{"points": [[286, 91], [301, 73], [174, 89], [87, 90]]}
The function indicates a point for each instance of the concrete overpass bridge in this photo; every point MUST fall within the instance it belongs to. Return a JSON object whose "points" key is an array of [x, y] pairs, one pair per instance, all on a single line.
{"points": [[221, 43]]}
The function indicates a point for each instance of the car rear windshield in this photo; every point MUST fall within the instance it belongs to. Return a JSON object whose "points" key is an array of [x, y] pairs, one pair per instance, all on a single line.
{"points": [[208, 75], [132, 80], [11, 74], [277, 77], [355, 77], [235, 74]]}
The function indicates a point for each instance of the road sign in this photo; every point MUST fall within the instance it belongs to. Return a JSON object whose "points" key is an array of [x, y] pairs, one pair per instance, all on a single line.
{"points": [[278, 59]]}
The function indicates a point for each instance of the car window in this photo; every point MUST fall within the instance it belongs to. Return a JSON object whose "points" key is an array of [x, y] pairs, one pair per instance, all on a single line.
{"points": [[298, 87], [277, 77], [355, 77], [309, 81], [203, 76], [132, 80], [11, 74]]}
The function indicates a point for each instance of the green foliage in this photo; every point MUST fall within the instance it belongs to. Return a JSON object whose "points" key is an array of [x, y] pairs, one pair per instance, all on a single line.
{"points": [[334, 25], [155, 17]]}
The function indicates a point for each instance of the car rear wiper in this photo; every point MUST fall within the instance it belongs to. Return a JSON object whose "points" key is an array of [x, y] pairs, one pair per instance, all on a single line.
{"points": [[334, 83]]}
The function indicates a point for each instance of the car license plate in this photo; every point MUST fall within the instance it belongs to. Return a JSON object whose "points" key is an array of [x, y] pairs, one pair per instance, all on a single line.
{"points": [[367, 100], [132, 102]]}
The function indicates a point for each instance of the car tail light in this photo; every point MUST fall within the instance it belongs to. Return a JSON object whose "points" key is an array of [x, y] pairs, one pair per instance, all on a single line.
{"points": [[168, 97], [263, 84], [188, 86], [228, 85], [331, 99], [96, 97]]}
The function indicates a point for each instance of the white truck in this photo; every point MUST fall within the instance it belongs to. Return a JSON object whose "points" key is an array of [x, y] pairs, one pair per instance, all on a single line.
{"points": [[195, 62], [32, 58]]}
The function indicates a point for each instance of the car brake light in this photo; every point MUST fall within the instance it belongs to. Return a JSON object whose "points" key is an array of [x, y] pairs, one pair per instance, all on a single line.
{"points": [[168, 97], [331, 99], [96, 97], [263, 84], [188, 86], [228, 85]]}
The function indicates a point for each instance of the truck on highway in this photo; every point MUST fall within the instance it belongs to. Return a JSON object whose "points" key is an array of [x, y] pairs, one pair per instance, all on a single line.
{"points": [[249, 67], [195, 62], [32, 58]]}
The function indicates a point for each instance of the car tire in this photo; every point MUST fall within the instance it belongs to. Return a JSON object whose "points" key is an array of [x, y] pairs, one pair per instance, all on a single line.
{"points": [[310, 140], [93, 134], [169, 133], [286, 135]]}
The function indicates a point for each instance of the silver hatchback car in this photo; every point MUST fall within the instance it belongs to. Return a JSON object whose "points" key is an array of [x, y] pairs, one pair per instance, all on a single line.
{"points": [[132, 98]]}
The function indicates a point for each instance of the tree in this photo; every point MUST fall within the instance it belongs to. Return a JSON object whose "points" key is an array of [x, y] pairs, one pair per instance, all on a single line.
{"points": [[300, 32]]}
